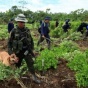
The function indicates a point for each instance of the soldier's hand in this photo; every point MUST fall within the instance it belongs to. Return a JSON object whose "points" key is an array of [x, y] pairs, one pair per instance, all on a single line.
{"points": [[15, 57]]}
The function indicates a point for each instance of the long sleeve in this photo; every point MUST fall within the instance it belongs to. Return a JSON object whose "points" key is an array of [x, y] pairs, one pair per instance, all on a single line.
{"points": [[42, 29], [87, 27]]}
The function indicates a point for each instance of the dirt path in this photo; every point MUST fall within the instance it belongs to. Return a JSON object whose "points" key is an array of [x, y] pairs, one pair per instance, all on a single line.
{"points": [[83, 44]]}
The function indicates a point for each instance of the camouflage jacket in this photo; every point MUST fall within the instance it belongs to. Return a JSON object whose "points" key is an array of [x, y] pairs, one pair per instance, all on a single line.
{"points": [[20, 39]]}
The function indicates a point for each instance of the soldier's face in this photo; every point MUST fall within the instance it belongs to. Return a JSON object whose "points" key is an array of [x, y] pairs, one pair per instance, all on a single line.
{"points": [[21, 24]]}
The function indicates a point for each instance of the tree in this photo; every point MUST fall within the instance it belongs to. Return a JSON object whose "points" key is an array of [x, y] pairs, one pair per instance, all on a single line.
{"points": [[47, 10]]}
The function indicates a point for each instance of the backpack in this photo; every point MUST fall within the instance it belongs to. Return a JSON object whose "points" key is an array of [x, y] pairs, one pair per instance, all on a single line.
{"points": [[39, 29]]}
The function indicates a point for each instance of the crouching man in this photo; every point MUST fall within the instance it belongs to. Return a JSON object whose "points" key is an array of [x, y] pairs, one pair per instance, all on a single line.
{"points": [[21, 44]]}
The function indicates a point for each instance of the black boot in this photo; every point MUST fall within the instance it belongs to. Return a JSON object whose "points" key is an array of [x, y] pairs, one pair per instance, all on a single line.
{"points": [[35, 79]]}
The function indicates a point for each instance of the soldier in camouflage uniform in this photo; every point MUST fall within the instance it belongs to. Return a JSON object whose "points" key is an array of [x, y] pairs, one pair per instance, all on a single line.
{"points": [[21, 44]]}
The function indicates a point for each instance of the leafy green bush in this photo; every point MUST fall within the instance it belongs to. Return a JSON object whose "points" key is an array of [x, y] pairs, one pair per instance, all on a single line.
{"points": [[75, 36], [46, 60], [82, 76], [52, 25], [56, 33], [3, 32], [8, 72], [68, 46], [86, 51], [64, 36], [66, 49], [75, 25], [71, 36], [58, 52], [79, 63], [3, 35], [70, 55]]}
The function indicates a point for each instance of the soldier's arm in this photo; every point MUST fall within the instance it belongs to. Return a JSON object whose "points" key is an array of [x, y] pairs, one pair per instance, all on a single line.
{"points": [[10, 41], [31, 45]]}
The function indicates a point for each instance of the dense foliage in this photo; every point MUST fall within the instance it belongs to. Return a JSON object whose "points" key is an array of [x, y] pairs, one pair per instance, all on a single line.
{"points": [[76, 15], [46, 60]]}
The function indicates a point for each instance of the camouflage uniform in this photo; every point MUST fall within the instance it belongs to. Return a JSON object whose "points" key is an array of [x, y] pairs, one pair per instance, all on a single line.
{"points": [[21, 43]]}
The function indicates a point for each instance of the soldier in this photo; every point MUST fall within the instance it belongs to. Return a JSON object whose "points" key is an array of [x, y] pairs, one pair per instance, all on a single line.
{"points": [[10, 25], [44, 34], [21, 44]]}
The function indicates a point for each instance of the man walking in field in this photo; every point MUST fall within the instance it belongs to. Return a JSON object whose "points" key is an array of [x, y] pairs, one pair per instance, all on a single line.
{"points": [[10, 25], [44, 32]]}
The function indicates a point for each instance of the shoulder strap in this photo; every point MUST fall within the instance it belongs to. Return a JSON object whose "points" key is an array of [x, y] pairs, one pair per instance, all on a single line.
{"points": [[44, 24]]}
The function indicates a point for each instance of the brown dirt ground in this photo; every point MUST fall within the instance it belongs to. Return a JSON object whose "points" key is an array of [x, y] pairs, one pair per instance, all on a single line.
{"points": [[83, 44]]}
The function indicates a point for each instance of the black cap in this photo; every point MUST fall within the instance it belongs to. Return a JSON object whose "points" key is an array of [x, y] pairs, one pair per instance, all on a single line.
{"points": [[47, 18]]}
